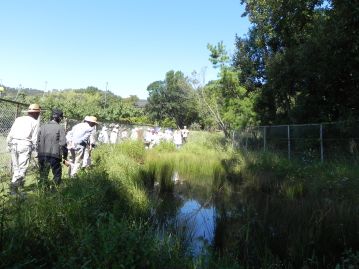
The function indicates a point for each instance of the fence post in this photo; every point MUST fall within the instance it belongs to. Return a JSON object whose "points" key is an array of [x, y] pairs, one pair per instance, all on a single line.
{"points": [[17, 111], [288, 131], [264, 139], [321, 143]]}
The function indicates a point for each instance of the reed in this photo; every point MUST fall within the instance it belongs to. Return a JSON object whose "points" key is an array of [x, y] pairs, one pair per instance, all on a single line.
{"points": [[295, 215], [99, 219]]}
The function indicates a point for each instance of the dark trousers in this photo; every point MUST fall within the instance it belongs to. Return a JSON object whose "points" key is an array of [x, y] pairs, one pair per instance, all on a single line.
{"points": [[45, 163]]}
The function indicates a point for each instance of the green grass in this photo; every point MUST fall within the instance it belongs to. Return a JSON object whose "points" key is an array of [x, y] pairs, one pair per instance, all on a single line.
{"points": [[298, 215], [99, 219], [271, 213], [195, 162]]}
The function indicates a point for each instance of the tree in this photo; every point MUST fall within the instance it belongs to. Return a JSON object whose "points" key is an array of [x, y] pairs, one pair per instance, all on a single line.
{"points": [[226, 99], [301, 59], [79, 103], [173, 99]]}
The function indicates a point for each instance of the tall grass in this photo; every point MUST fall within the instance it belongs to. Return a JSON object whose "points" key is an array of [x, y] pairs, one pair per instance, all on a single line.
{"points": [[195, 162], [270, 213], [295, 215], [100, 219]]}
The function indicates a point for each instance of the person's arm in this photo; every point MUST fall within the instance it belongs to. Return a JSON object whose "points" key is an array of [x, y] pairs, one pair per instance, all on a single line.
{"points": [[63, 144], [39, 137], [62, 139], [93, 138], [10, 135], [35, 135]]}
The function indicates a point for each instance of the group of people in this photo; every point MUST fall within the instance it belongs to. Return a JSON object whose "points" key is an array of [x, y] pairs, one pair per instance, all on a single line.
{"points": [[51, 145], [151, 137], [154, 136]]}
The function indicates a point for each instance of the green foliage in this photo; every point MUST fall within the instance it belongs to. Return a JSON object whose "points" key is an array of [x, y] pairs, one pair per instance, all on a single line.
{"points": [[218, 56], [300, 58], [79, 103], [172, 100], [291, 214], [97, 220], [226, 100]]}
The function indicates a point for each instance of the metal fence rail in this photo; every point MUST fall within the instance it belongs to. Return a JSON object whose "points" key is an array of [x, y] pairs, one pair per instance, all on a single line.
{"points": [[324, 141]]}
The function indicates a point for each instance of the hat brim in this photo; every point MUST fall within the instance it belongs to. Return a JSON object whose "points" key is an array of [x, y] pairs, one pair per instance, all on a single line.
{"points": [[92, 121], [33, 110]]}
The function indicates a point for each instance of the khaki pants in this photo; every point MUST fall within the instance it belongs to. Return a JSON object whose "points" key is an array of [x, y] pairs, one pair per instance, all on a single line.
{"points": [[76, 156], [87, 158], [20, 159]]}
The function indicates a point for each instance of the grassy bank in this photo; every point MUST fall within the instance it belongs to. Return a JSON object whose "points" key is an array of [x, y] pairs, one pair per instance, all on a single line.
{"points": [[270, 213], [195, 162], [99, 219]]}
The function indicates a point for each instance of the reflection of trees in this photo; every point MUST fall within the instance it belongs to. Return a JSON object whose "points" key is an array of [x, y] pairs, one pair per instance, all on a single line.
{"points": [[167, 208], [257, 228], [199, 190]]}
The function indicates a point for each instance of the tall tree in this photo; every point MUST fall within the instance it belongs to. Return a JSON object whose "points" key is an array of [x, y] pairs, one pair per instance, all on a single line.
{"points": [[226, 99], [302, 57], [173, 99]]}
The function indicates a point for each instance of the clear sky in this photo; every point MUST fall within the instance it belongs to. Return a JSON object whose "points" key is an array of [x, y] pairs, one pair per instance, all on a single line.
{"points": [[127, 43]]}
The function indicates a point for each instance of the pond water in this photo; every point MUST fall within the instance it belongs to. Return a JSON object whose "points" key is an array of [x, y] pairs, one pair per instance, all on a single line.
{"points": [[202, 223], [190, 213], [255, 227]]}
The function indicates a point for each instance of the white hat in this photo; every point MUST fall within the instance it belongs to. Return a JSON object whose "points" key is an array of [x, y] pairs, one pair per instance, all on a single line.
{"points": [[34, 108], [91, 119]]}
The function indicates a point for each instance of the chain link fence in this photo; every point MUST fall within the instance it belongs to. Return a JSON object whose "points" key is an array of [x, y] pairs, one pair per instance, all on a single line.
{"points": [[9, 111], [306, 142]]}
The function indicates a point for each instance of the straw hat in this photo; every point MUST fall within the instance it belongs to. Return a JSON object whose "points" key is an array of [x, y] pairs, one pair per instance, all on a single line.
{"points": [[91, 119], [34, 108]]}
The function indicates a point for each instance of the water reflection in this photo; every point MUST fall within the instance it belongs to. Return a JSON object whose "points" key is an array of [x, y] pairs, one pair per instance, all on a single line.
{"points": [[258, 227], [201, 221]]}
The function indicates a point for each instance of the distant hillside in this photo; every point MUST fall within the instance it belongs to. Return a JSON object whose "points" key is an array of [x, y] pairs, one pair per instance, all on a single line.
{"points": [[12, 92]]}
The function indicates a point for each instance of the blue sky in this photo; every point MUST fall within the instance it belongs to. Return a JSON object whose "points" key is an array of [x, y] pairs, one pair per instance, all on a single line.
{"points": [[129, 44]]}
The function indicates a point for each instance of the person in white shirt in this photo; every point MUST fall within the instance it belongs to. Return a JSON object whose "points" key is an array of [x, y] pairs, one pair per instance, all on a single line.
{"points": [[103, 136], [114, 134], [81, 133], [185, 133], [134, 134], [148, 138], [22, 140], [177, 138], [168, 135], [124, 135], [88, 149]]}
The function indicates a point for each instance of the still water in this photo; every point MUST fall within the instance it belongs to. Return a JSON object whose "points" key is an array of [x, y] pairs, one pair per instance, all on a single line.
{"points": [[256, 227], [189, 213], [202, 223]]}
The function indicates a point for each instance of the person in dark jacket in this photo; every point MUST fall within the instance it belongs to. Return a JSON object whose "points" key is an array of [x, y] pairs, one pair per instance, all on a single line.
{"points": [[52, 147]]}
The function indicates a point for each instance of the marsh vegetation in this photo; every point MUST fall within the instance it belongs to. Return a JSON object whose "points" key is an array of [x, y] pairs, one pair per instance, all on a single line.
{"points": [[202, 206]]}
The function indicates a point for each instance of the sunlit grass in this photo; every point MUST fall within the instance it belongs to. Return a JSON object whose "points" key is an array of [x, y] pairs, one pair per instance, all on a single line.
{"points": [[195, 161], [98, 219]]}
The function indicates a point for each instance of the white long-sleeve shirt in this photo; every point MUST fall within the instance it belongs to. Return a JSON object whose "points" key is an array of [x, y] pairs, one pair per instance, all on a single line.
{"points": [[81, 132], [24, 130], [177, 138]]}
